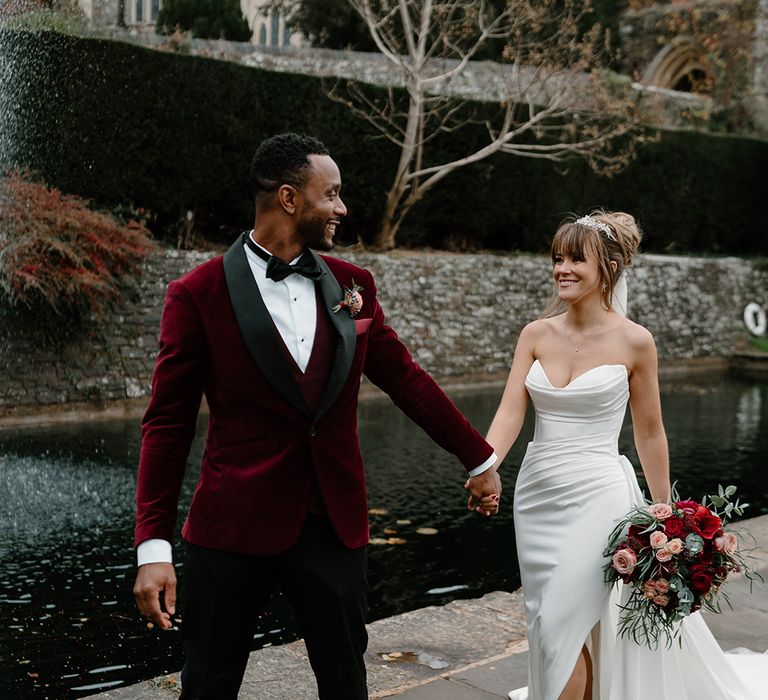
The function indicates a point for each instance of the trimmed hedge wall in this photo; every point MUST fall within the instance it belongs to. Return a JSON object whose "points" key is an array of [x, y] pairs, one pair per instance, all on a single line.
{"points": [[169, 132]]}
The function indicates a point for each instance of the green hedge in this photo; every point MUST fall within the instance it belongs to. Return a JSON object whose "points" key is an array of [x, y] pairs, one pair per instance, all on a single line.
{"points": [[169, 132]]}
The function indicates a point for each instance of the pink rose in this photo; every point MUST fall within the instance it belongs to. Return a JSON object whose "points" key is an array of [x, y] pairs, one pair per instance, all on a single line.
{"points": [[663, 555], [660, 511], [661, 585], [726, 543], [675, 546], [661, 600], [649, 590], [624, 561], [658, 539]]}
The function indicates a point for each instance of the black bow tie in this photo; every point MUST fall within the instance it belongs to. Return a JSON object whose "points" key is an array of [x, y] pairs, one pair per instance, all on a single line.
{"points": [[278, 269]]}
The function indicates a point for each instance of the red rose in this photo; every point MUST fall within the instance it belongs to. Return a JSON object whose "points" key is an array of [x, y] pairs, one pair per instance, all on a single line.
{"points": [[674, 527], [701, 578]]}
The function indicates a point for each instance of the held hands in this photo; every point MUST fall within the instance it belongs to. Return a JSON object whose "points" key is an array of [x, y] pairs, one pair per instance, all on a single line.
{"points": [[152, 582], [485, 492]]}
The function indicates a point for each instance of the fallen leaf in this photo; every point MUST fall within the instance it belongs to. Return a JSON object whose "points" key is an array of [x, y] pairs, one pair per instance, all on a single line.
{"points": [[403, 522], [378, 511], [390, 531], [427, 531], [396, 540], [377, 540]]}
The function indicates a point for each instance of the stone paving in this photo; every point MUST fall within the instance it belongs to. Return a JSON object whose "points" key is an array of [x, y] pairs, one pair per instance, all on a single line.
{"points": [[466, 650]]}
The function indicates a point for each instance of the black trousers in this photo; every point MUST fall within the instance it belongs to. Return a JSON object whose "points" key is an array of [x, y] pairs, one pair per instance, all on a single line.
{"points": [[224, 593]]}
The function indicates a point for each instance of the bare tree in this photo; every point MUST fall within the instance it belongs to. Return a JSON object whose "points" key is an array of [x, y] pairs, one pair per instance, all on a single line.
{"points": [[555, 100]]}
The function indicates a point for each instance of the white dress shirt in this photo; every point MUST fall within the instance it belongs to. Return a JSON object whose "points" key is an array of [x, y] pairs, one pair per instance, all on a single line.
{"points": [[292, 305]]}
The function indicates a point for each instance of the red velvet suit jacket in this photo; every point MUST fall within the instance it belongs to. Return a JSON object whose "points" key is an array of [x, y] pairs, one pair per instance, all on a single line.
{"points": [[256, 481]]}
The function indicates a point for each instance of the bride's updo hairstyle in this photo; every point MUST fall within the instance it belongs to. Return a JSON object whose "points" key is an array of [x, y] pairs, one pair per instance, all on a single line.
{"points": [[606, 236]]}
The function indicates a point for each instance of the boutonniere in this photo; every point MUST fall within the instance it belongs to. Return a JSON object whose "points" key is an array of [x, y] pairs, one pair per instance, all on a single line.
{"points": [[352, 300]]}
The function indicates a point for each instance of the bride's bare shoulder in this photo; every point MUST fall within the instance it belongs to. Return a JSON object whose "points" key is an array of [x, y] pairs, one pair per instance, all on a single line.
{"points": [[540, 328], [638, 337]]}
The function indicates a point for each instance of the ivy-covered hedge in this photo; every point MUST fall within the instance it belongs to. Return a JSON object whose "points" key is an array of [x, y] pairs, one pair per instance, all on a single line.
{"points": [[168, 132]]}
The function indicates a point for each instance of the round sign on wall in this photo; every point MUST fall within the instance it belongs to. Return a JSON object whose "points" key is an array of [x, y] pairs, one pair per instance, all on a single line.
{"points": [[754, 319]]}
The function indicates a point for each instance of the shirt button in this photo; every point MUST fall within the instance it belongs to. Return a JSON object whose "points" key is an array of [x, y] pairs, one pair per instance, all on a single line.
{"points": [[294, 298], [302, 340], [312, 431]]}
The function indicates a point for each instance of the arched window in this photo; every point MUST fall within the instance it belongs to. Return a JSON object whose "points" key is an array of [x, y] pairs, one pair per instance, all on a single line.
{"points": [[680, 66], [262, 34]]}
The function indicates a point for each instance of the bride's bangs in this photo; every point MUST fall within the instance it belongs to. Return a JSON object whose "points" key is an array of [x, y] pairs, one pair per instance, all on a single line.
{"points": [[573, 241]]}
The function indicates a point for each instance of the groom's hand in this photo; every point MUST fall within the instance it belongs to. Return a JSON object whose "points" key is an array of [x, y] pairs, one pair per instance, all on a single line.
{"points": [[152, 581], [485, 492]]}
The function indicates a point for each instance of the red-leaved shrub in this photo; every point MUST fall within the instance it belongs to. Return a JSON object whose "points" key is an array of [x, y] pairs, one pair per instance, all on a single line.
{"points": [[56, 251]]}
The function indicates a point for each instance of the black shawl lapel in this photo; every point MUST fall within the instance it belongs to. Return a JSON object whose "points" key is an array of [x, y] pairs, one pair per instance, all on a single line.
{"points": [[345, 327], [256, 326]]}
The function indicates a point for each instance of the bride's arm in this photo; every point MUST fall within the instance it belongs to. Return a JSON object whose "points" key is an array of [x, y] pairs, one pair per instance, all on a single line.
{"points": [[510, 414], [645, 404]]}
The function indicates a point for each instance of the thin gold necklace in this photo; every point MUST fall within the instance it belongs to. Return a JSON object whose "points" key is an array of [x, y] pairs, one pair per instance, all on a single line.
{"points": [[587, 338], [577, 348]]}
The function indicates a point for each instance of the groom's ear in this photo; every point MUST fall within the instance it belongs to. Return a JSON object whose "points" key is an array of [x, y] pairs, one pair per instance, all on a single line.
{"points": [[614, 266], [286, 196]]}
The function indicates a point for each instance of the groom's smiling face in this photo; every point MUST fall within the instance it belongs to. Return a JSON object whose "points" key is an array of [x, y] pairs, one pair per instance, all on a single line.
{"points": [[321, 206]]}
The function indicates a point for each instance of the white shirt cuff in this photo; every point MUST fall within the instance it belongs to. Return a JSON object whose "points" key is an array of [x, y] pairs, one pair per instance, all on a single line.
{"points": [[485, 466], [154, 552]]}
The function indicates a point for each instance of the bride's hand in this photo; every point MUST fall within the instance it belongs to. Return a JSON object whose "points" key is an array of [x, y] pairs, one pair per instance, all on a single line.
{"points": [[489, 505]]}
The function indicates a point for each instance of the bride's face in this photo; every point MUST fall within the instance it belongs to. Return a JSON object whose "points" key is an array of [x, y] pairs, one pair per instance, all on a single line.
{"points": [[576, 278]]}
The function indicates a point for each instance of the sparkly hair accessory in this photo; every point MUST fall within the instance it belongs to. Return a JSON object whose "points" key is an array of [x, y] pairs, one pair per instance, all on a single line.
{"points": [[597, 225]]}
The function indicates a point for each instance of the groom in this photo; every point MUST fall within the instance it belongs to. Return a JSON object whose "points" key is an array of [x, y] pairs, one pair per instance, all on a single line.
{"points": [[278, 350]]}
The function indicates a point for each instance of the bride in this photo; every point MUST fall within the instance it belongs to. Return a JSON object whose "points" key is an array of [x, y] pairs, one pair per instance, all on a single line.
{"points": [[580, 364]]}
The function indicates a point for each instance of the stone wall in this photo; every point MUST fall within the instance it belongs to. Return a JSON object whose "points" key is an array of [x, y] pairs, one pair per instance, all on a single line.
{"points": [[459, 313]]}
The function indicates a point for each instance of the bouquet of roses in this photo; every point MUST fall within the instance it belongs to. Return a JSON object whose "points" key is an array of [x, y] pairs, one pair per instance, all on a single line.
{"points": [[675, 557]]}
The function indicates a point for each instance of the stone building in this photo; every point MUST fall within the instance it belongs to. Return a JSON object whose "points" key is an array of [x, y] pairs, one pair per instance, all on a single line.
{"points": [[717, 48], [268, 28], [714, 50]]}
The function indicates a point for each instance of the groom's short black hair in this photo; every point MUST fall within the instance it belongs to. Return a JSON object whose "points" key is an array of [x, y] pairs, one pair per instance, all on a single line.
{"points": [[283, 159]]}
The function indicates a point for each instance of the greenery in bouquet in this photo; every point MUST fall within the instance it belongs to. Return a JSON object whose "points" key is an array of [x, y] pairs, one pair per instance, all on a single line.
{"points": [[675, 557]]}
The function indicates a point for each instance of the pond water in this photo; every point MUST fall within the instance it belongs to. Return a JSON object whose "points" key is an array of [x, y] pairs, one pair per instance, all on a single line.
{"points": [[68, 627]]}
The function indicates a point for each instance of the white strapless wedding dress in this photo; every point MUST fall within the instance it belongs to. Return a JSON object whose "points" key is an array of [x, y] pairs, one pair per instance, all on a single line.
{"points": [[572, 488]]}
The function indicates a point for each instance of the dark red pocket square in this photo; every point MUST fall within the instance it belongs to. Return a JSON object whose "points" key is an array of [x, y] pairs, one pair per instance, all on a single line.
{"points": [[361, 325]]}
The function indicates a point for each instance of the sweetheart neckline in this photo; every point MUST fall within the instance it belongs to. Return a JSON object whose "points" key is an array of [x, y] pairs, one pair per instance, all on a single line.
{"points": [[578, 376]]}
